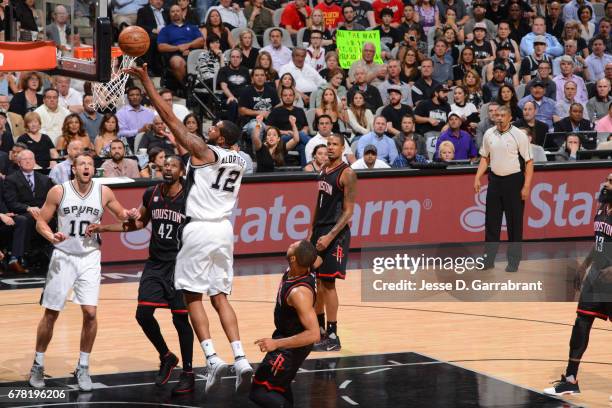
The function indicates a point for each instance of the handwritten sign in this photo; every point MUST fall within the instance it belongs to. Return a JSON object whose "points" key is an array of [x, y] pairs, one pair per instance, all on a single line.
{"points": [[350, 45]]}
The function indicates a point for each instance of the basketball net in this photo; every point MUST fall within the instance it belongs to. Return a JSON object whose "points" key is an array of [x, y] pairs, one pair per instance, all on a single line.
{"points": [[107, 95]]}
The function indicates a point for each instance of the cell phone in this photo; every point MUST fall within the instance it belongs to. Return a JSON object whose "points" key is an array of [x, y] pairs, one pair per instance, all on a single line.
{"points": [[411, 38]]}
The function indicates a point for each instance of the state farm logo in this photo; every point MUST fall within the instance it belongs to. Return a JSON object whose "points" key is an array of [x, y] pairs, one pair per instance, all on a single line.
{"points": [[472, 219], [137, 240]]}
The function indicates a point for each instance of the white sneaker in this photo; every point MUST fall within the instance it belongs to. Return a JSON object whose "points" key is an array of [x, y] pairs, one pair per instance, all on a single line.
{"points": [[37, 376], [244, 372], [215, 372], [82, 375]]}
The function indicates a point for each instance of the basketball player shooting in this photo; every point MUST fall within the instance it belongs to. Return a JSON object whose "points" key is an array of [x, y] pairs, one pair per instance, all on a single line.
{"points": [[595, 295], [331, 236], [204, 264], [75, 262], [296, 330], [163, 205]]}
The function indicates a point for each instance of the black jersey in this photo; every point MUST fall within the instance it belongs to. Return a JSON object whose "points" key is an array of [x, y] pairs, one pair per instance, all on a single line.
{"points": [[602, 257], [286, 319], [167, 214], [331, 196]]}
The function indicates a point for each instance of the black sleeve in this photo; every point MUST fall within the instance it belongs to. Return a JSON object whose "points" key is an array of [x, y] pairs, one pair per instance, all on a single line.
{"points": [[525, 67], [144, 142], [11, 197], [246, 101], [222, 76], [386, 114], [3, 207], [486, 94], [421, 110], [275, 100], [17, 104], [46, 140], [301, 119], [272, 119]]}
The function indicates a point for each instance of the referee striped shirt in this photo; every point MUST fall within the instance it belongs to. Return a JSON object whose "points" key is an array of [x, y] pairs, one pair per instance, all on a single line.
{"points": [[503, 149]]}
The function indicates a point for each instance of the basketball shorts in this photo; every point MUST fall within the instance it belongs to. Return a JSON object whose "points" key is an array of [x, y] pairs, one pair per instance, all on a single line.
{"points": [[79, 272], [205, 261], [157, 287], [596, 296], [278, 369], [335, 256]]}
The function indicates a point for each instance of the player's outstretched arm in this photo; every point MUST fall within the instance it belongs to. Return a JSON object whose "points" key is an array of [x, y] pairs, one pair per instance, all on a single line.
{"points": [[54, 197], [110, 201], [194, 144], [125, 226], [302, 299], [348, 180]]}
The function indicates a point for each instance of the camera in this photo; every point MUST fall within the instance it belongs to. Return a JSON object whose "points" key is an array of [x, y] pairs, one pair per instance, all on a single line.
{"points": [[412, 38]]}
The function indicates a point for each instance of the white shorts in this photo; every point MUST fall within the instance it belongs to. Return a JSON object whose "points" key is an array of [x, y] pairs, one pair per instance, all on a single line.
{"points": [[205, 263], [80, 272]]}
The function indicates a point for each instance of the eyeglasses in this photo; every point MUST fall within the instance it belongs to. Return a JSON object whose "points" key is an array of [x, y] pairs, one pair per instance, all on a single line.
{"points": [[609, 180]]}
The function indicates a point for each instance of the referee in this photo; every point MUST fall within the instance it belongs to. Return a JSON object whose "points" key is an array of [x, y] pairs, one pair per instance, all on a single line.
{"points": [[506, 149]]}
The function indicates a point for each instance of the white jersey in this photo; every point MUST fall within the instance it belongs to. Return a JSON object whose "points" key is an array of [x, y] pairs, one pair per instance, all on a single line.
{"points": [[213, 187], [74, 215]]}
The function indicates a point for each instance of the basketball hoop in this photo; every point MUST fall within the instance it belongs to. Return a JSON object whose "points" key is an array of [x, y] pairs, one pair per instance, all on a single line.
{"points": [[108, 94]]}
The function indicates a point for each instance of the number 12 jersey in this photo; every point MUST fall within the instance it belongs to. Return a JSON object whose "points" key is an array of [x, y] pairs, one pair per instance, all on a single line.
{"points": [[213, 187]]}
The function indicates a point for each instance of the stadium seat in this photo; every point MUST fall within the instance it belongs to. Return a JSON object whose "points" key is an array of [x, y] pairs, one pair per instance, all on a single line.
{"points": [[310, 116], [276, 18]]}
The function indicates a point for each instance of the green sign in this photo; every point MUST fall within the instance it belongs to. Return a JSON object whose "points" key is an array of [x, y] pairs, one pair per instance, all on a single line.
{"points": [[350, 44]]}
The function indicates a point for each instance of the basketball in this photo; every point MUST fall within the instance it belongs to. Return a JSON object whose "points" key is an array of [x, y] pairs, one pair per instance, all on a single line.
{"points": [[134, 41]]}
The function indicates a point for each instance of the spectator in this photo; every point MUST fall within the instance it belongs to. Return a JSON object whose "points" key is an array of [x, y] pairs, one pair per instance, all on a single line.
{"points": [[503, 52], [374, 71], [570, 47], [605, 124], [180, 111], [466, 63], [315, 54], [372, 95], [442, 66], [257, 99], [413, 39], [483, 51], [474, 90], [553, 47], [571, 10], [458, 6], [467, 110], [51, 114], [394, 5], [258, 18], [175, 41], [423, 87], [410, 19], [464, 146], [287, 82], [369, 160], [384, 144], [190, 16], [279, 54], [537, 128], [429, 15], [546, 108], [445, 151], [554, 20], [62, 172], [487, 122], [537, 152], [210, 60], [133, 118], [264, 61], [317, 23], [567, 74], [272, 152], [531, 63], [572, 31], [408, 155], [39, 143], [409, 72], [233, 78], [503, 40], [73, 129], [408, 132], [193, 125], [507, 97], [59, 31], [307, 79], [158, 137], [330, 107], [296, 15], [575, 122], [319, 159], [90, 117], [431, 115], [108, 132], [14, 157], [28, 99], [155, 166], [351, 21], [324, 126], [389, 36], [14, 121], [30, 20], [604, 31], [332, 13], [543, 75], [569, 149], [331, 63], [598, 59], [607, 145], [597, 106], [153, 18], [125, 12], [15, 227], [360, 118], [230, 13], [247, 51], [25, 192], [214, 25], [587, 22], [281, 116], [6, 137], [118, 165], [395, 111], [569, 97]]}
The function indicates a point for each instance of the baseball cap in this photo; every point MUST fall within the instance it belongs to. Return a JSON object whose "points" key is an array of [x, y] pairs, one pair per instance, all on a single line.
{"points": [[455, 113], [480, 25], [505, 46], [394, 88], [479, 4], [539, 39], [538, 82], [499, 66], [441, 87], [370, 149]]}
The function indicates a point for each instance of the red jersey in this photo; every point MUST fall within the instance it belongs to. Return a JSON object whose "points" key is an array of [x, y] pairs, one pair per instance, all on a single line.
{"points": [[292, 17], [332, 15], [395, 5]]}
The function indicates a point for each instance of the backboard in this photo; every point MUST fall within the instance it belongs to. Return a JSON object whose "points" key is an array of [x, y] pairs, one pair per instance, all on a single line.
{"points": [[69, 23]]}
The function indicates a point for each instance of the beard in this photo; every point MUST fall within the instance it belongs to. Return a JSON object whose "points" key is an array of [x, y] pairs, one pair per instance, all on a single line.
{"points": [[442, 99], [605, 196]]}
